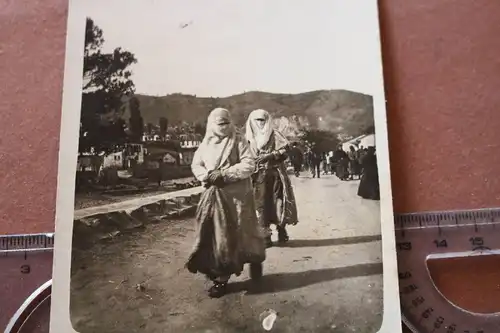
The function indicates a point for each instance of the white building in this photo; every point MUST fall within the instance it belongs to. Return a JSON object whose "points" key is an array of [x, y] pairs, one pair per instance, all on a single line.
{"points": [[190, 144], [364, 141], [151, 137], [113, 160]]}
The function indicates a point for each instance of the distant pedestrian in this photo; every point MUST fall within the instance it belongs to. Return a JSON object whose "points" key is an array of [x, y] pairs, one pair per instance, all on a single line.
{"points": [[307, 159], [354, 163], [158, 173], [331, 162], [328, 163], [315, 161], [342, 163], [369, 184], [324, 163], [296, 159], [227, 230]]}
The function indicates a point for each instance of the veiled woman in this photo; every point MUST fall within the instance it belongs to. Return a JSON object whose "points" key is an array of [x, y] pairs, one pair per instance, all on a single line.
{"points": [[369, 184], [273, 190], [228, 233]]}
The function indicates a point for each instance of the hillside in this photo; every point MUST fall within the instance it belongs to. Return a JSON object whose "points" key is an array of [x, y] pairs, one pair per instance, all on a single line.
{"points": [[337, 110]]}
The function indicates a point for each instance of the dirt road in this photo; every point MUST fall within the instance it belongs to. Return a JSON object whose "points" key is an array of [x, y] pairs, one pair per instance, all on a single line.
{"points": [[328, 278]]}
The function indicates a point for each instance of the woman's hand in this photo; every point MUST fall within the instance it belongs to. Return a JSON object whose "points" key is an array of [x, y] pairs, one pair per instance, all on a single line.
{"points": [[215, 178], [214, 175], [263, 158]]}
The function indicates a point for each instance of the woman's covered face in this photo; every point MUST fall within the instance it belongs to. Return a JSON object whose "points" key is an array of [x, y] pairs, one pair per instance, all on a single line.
{"points": [[260, 117], [260, 122], [222, 126], [220, 122]]}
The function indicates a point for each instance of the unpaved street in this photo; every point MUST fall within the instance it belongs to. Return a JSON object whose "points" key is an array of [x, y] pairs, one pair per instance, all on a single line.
{"points": [[328, 278]]}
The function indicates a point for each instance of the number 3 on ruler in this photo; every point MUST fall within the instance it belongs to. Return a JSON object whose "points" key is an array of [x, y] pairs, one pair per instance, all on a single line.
{"points": [[25, 269]]}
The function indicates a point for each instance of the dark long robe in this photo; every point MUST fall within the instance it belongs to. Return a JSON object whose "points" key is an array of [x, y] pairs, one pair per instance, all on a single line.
{"points": [[354, 164], [296, 158], [342, 164], [369, 184], [271, 182], [227, 231]]}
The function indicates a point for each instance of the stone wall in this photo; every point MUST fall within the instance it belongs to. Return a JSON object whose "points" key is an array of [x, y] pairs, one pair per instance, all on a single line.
{"points": [[104, 226]]}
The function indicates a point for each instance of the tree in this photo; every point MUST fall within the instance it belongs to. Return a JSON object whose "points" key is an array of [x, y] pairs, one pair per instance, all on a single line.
{"points": [[136, 123], [325, 140], [213, 103], [199, 128], [370, 129], [106, 81], [163, 127]]}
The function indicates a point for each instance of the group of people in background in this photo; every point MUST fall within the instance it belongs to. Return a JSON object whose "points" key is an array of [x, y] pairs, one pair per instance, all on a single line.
{"points": [[359, 163]]}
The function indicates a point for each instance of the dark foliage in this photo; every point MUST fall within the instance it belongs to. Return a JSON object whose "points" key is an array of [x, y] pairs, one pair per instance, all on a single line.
{"points": [[136, 123], [107, 80], [324, 140]]}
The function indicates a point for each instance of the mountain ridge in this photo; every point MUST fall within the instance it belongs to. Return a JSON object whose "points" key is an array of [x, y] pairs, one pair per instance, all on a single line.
{"points": [[339, 111]]}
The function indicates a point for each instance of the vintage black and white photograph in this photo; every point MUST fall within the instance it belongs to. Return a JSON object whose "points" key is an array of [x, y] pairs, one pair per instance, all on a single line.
{"points": [[227, 172]]}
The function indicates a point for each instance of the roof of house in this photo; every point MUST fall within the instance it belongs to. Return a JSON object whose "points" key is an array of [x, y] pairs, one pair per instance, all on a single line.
{"points": [[158, 154]]}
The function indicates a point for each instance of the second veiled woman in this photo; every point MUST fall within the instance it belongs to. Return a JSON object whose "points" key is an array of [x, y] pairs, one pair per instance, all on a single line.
{"points": [[227, 230], [273, 191]]}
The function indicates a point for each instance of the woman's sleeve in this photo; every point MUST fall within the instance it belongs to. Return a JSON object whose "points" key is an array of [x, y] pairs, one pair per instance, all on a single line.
{"points": [[281, 154], [242, 170], [198, 167]]}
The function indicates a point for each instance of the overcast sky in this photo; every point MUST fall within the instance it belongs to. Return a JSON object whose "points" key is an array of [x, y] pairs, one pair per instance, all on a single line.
{"points": [[230, 46]]}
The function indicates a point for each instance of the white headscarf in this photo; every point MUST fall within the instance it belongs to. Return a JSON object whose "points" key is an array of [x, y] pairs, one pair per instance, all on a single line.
{"points": [[256, 135], [219, 139]]}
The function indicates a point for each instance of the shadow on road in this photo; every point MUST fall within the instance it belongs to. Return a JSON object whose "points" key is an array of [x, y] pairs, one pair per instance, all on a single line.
{"points": [[329, 242], [289, 281]]}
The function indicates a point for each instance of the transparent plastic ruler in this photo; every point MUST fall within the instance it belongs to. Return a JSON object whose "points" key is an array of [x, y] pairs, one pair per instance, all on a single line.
{"points": [[26, 279], [439, 236]]}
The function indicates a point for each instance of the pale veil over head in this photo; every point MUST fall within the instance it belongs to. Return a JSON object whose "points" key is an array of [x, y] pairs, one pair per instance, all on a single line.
{"points": [[219, 139], [258, 136]]}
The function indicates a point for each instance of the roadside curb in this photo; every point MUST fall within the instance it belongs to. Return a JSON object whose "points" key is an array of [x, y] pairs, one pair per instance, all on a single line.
{"points": [[107, 222]]}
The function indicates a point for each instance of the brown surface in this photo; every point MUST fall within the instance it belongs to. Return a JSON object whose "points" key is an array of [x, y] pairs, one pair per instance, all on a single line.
{"points": [[32, 35], [477, 290], [442, 78], [441, 74]]}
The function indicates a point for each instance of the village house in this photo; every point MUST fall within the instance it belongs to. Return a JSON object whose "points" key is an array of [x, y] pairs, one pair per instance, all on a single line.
{"points": [[88, 162], [187, 154], [151, 137], [167, 158], [133, 154], [189, 145], [361, 141], [127, 157], [113, 160], [171, 152]]}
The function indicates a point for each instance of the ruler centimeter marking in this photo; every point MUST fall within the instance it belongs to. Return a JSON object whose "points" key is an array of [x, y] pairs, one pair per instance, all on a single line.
{"points": [[26, 261], [421, 237], [26, 243]]}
